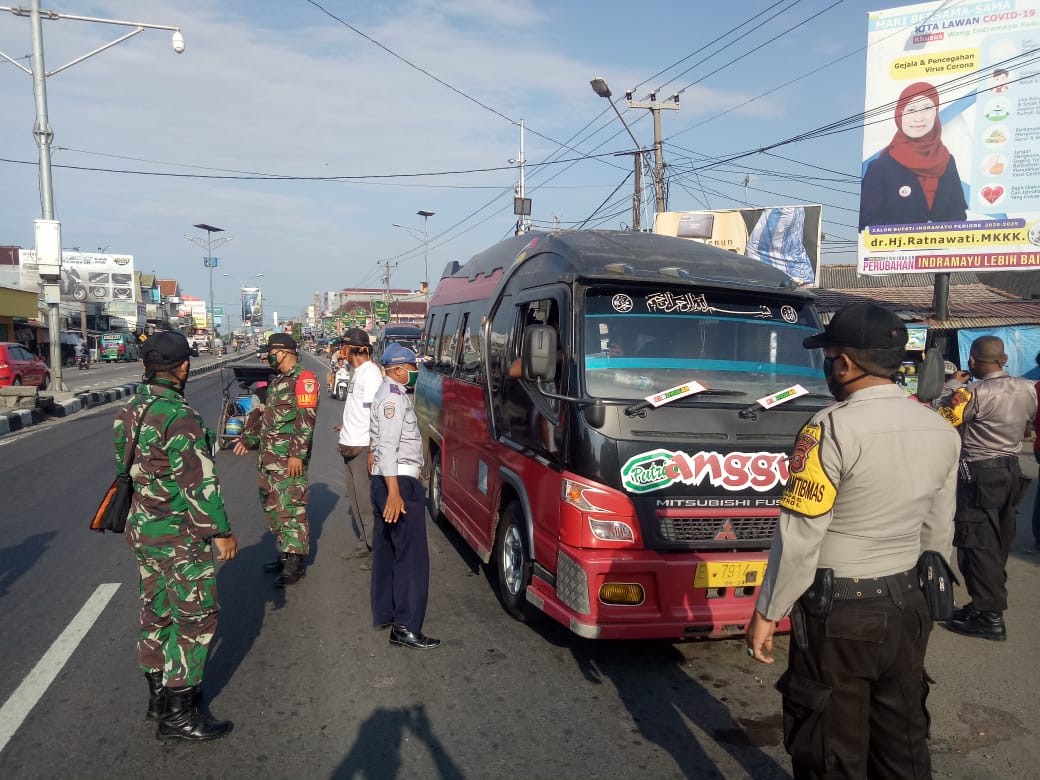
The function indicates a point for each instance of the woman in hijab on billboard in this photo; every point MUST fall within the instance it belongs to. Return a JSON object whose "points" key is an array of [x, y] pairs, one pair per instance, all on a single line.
{"points": [[914, 179]]}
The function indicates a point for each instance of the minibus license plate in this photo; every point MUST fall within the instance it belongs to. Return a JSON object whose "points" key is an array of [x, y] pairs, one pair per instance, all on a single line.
{"points": [[729, 574]]}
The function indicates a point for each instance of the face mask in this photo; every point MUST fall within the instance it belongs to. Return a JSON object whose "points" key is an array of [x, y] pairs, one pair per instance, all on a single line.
{"points": [[832, 383], [273, 360], [413, 377]]}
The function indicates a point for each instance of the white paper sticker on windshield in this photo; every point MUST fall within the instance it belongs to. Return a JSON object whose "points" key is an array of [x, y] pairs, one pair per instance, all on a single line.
{"points": [[675, 393], [782, 397]]}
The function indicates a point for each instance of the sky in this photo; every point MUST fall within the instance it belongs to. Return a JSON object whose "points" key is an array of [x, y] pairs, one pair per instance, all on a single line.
{"points": [[307, 128]]}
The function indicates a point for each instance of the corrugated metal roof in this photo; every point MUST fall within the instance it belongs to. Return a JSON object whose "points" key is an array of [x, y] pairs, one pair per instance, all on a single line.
{"points": [[971, 305], [846, 277]]}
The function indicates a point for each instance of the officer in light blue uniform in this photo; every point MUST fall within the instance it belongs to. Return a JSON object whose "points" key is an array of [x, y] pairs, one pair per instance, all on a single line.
{"points": [[400, 555]]}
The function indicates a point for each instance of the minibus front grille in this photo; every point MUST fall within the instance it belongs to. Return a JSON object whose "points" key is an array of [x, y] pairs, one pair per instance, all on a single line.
{"points": [[717, 531]]}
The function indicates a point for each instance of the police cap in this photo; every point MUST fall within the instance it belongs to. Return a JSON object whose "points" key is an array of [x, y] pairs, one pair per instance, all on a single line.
{"points": [[862, 325], [166, 348], [397, 354]]}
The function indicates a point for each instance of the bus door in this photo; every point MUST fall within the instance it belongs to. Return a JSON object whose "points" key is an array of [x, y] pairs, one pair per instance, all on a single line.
{"points": [[534, 424], [466, 459]]}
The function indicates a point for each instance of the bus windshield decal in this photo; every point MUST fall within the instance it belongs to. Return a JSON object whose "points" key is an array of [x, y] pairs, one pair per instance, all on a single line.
{"points": [[669, 302], [732, 471]]}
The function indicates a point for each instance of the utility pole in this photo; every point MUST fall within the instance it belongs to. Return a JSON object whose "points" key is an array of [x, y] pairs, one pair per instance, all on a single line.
{"points": [[386, 282], [521, 203], [747, 181], [656, 107], [48, 229], [637, 193]]}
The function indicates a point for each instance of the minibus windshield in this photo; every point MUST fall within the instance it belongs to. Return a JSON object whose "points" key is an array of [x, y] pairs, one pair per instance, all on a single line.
{"points": [[746, 347]]}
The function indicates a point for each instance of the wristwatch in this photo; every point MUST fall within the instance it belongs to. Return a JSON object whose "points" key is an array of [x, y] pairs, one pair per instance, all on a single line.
{"points": [[221, 535]]}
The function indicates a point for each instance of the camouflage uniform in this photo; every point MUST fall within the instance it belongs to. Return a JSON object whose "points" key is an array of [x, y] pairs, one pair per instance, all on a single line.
{"points": [[286, 430], [176, 508]]}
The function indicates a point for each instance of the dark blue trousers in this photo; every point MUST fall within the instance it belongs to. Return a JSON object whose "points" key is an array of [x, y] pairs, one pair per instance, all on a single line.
{"points": [[400, 557]]}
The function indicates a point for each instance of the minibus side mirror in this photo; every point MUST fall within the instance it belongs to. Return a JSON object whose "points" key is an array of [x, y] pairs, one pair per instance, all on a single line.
{"points": [[538, 353], [930, 376]]}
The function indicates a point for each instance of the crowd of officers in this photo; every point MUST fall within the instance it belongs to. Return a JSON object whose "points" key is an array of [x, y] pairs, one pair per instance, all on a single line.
{"points": [[879, 483], [178, 518]]}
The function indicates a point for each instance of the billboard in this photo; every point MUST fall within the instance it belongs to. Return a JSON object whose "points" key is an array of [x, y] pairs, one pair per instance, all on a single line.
{"points": [[87, 277], [252, 306], [951, 144], [785, 237]]}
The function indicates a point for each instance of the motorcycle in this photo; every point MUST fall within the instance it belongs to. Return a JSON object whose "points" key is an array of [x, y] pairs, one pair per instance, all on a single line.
{"points": [[82, 361], [340, 383]]}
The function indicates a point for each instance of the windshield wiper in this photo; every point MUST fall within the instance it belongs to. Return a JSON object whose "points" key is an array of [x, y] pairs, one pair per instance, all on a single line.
{"points": [[641, 405]]}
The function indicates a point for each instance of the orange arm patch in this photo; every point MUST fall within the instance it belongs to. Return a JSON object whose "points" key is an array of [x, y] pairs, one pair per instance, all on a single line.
{"points": [[307, 391]]}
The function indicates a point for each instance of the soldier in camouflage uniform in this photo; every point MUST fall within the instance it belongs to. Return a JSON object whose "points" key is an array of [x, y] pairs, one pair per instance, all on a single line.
{"points": [[284, 434], [176, 514]]}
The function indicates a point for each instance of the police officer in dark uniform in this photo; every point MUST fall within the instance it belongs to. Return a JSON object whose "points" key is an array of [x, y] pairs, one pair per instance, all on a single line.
{"points": [[872, 486], [993, 414], [400, 556]]}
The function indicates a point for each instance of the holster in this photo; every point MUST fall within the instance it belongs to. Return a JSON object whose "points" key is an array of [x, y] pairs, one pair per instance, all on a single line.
{"points": [[817, 600], [937, 580]]}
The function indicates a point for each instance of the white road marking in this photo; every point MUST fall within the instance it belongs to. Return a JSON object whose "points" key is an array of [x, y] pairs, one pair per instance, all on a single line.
{"points": [[21, 702]]}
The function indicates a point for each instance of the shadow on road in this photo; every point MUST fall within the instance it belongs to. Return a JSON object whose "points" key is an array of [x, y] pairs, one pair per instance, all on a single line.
{"points": [[20, 558], [245, 591], [376, 751], [663, 700]]}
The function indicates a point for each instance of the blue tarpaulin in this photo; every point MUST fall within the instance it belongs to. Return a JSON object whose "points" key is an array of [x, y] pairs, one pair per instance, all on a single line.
{"points": [[1021, 343]]}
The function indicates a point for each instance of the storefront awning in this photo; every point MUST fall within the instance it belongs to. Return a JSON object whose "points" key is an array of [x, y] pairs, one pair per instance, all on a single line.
{"points": [[18, 303]]}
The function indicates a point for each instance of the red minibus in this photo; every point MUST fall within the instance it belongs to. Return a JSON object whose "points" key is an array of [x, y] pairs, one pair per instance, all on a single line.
{"points": [[607, 419]]}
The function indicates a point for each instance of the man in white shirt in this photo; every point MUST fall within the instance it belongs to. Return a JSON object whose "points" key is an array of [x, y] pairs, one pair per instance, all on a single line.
{"points": [[354, 435]]}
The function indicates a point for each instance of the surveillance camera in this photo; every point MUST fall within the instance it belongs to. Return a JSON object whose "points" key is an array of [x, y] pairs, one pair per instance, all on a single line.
{"points": [[178, 42]]}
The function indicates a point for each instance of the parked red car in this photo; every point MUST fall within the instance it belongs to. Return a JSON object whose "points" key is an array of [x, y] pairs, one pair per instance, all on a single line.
{"points": [[19, 366]]}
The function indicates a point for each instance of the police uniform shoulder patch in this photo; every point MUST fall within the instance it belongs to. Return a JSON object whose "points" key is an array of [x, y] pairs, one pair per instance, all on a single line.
{"points": [[396, 390], [953, 410], [388, 411], [307, 390], [809, 490]]}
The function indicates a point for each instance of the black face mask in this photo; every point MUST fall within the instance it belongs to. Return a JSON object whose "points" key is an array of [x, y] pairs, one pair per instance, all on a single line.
{"points": [[832, 384]]}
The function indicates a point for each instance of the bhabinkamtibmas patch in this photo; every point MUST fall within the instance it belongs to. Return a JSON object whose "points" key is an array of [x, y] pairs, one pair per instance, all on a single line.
{"points": [[809, 490]]}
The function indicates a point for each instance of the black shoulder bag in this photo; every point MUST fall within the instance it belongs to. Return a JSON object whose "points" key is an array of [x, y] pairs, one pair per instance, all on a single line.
{"points": [[115, 506]]}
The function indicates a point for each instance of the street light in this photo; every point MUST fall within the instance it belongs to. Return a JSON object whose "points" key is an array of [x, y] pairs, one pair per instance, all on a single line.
{"points": [[242, 286], [47, 229], [599, 86], [426, 245], [210, 262]]}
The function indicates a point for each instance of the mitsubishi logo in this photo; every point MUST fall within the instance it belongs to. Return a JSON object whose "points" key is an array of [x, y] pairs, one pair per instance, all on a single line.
{"points": [[726, 533]]}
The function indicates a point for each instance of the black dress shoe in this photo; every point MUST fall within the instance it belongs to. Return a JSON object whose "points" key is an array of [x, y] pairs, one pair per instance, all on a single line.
{"points": [[399, 635], [985, 625]]}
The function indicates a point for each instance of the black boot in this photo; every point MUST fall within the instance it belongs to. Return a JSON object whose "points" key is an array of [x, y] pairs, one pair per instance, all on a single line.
{"points": [[276, 564], [181, 718], [960, 614], [293, 572], [156, 694], [986, 625]]}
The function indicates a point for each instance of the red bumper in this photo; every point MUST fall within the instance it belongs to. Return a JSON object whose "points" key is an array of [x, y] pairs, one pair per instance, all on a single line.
{"points": [[672, 607]]}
